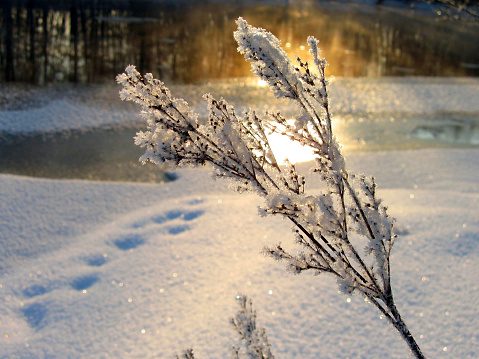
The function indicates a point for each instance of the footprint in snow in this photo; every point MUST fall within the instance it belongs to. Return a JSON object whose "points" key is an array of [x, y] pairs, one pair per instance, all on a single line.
{"points": [[178, 229], [84, 282], [133, 240], [78, 283], [189, 216], [35, 290], [96, 260], [35, 315], [171, 215], [129, 242], [176, 214], [185, 216], [195, 201]]}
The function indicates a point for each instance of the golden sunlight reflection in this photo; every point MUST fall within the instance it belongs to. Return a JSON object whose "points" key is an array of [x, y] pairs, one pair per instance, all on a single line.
{"points": [[195, 43], [284, 148], [262, 83], [340, 132]]}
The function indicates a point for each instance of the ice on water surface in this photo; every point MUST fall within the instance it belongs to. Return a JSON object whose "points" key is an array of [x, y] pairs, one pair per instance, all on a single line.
{"points": [[367, 116]]}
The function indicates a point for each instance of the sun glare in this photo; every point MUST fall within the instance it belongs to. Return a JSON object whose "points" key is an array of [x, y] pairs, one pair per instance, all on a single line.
{"points": [[262, 83], [284, 148]]}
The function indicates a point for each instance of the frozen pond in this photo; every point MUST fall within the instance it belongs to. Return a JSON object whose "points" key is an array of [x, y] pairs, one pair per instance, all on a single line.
{"points": [[398, 131], [98, 154]]}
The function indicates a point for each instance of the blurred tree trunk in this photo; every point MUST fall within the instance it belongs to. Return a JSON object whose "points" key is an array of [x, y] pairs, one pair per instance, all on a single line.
{"points": [[9, 42], [45, 30], [74, 39], [31, 23]]}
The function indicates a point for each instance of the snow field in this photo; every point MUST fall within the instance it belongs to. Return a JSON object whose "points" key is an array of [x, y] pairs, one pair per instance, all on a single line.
{"points": [[155, 269]]}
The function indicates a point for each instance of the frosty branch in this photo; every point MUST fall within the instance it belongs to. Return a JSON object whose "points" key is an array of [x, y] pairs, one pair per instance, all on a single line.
{"points": [[328, 226], [254, 341], [253, 338]]}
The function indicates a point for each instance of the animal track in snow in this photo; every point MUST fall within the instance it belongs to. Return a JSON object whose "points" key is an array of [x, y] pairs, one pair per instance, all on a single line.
{"points": [[172, 219], [174, 214], [182, 215], [96, 260], [189, 216], [129, 242], [169, 216], [84, 282], [195, 201], [35, 290], [35, 314], [178, 229]]}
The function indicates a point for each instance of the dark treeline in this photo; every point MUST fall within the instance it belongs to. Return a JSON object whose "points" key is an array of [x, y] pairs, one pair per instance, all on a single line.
{"points": [[75, 40], [43, 41]]}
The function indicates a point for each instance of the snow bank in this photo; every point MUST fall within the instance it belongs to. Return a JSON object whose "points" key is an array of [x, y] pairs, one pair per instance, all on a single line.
{"points": [[356, 95], [60, 115], [137, 270]]}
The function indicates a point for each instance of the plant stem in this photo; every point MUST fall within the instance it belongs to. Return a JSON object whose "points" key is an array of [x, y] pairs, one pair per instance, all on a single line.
{"points": [[405, 333], [396, 320]]}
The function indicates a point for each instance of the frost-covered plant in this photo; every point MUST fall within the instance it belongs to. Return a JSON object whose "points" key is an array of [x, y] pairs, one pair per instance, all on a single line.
{"points": [[459, 7], [332, 226], [187, 354], [254, 339]]}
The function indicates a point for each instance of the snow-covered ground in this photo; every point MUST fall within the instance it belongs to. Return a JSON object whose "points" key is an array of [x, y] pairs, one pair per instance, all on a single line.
{"points": [[122, 270]]}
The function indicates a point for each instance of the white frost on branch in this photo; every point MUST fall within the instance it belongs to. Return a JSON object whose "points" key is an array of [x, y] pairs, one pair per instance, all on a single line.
{"points": [[268, 60], [331, 227], [253, 338]]}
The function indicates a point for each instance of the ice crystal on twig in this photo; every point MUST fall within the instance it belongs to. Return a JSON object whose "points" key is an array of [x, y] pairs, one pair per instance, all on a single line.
{"points": [[254, 339], [187, 354], [332, 227]]}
